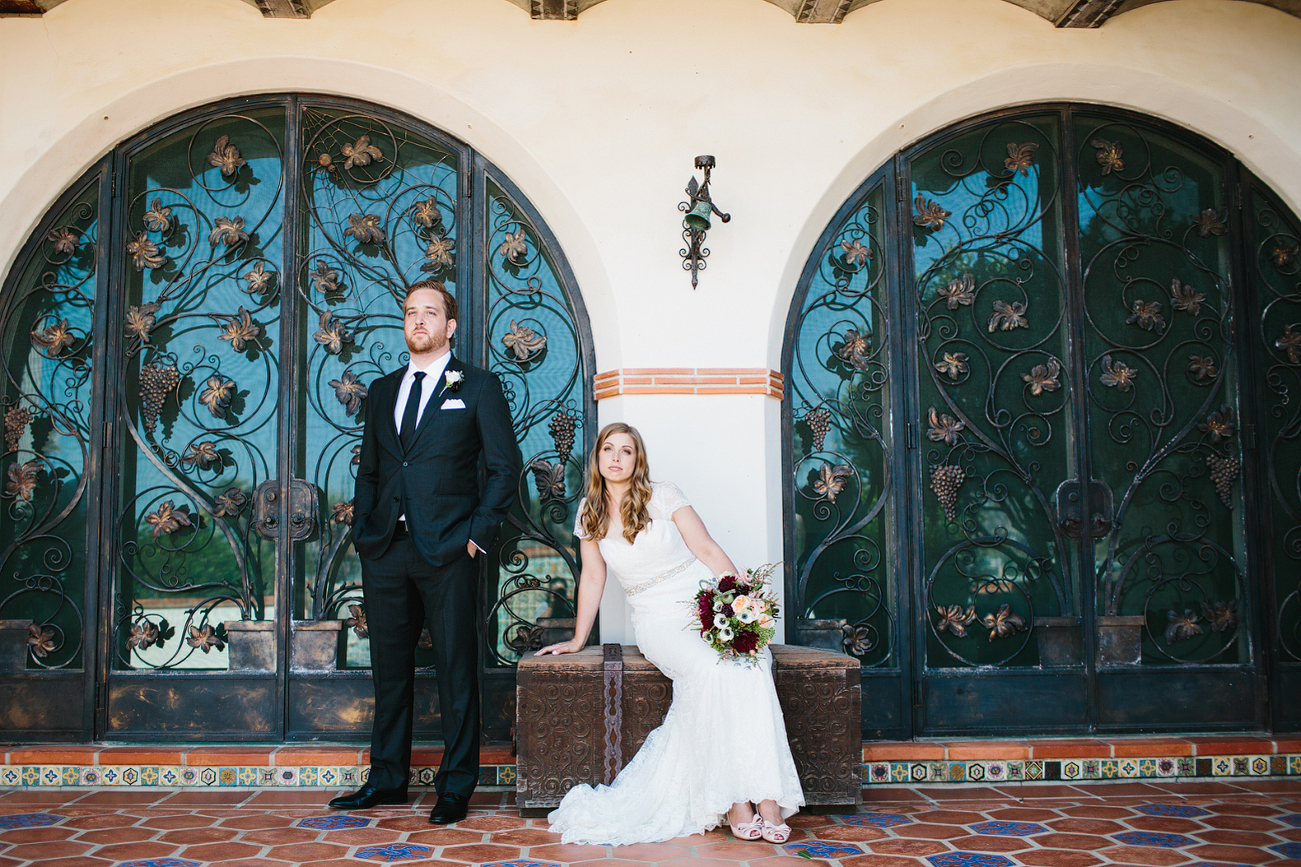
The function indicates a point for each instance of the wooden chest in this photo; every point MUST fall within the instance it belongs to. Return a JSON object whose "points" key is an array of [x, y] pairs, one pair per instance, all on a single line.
{"points": [[581, 716]]}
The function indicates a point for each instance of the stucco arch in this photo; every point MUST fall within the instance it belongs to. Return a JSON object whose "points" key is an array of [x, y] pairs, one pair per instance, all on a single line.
{"points": [[1271, 157], [67, 157]]}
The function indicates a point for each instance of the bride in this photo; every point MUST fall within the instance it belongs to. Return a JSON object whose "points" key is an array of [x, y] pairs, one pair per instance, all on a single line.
{"points": [[722, 746]]}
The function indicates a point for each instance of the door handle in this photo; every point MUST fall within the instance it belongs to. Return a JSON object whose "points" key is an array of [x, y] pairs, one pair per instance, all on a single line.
{"points": [[304, 503]]}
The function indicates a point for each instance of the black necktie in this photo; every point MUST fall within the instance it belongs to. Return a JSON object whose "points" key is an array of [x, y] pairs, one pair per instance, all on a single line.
{"points": [[411, 413]]}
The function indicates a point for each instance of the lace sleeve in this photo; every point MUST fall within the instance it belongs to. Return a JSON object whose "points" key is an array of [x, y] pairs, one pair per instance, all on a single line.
{"points": [[668, 498], [578, 521]]}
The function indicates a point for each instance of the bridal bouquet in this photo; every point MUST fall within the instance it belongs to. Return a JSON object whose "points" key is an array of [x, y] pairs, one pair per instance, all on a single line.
{"points": [[734, 614]]}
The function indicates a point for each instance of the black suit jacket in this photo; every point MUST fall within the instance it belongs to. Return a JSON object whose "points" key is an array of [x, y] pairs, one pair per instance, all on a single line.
{"points": [[436, 482]]}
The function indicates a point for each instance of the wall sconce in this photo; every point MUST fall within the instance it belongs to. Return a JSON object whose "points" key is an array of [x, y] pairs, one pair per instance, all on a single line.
{"points": [[696, 222]]}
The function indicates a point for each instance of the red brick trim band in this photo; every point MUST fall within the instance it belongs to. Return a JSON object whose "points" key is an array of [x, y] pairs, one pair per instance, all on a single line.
{"points": [[689, 380]]}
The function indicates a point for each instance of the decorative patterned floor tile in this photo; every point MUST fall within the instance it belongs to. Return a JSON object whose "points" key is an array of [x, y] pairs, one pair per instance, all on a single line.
{"points": [[522, 862], [1009, 829], [1293, 819], [1182, 811], [27, 820], [969, 859], [394, 852], [160, 862], [1288, 850], [877, 820], [334, 823], [822, 850], [1154, 838]]}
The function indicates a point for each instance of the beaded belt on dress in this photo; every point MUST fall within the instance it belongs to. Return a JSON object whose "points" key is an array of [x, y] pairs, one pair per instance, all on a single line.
{"points": [[651, 582]]}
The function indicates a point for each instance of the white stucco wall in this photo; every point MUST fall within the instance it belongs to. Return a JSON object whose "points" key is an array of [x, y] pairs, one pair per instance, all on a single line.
{"points": [[598, 121]]}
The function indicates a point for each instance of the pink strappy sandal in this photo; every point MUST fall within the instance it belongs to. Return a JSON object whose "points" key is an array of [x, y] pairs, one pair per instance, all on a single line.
{"points": [[746, 831], [775, 833]]}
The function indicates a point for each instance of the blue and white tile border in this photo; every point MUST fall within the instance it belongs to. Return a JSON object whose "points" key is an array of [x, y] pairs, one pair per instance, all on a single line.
{"points": [[183, 776]]}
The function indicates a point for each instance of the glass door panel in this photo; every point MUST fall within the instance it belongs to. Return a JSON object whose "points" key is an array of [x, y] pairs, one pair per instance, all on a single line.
{"points": [[1161, 380], [996, 414], [198, 398]]}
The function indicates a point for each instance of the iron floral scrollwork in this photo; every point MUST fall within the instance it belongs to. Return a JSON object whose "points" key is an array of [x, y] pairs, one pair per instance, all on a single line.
{"points": [[840, 445]]}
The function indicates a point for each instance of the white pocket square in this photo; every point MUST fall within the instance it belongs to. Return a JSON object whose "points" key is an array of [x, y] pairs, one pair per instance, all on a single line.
{"points": [[454, 403]]}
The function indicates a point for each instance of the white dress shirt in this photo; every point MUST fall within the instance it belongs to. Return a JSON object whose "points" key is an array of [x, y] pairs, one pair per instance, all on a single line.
{"points": [[432, 383]]}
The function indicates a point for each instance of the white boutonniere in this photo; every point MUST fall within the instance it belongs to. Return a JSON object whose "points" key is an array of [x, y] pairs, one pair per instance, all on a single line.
{"points": [[453, 380]]}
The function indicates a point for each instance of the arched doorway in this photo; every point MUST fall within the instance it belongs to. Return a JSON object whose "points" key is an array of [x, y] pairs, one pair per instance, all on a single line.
{"points": [[1040, 449], [187, 342]]}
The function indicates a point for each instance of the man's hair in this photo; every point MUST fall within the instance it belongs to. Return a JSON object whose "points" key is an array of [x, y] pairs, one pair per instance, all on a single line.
{"points": [[449, 300]]}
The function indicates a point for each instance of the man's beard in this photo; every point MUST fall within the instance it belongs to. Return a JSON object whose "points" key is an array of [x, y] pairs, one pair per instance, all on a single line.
{"points": [[426, 342]]}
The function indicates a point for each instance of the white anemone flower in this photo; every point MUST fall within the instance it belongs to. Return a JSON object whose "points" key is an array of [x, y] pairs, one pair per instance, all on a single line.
{"points": [[720, 622], [746, 615], [725, 634]]}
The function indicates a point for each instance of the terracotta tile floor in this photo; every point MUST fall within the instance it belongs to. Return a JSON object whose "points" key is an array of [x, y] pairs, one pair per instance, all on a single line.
{"points": [[1151, 824]]}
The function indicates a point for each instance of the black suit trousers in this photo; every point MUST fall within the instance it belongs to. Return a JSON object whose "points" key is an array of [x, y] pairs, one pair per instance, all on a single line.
{"points": [[404, 593]]}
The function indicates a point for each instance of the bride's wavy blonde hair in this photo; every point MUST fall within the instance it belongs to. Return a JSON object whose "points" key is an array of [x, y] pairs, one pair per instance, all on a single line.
{"points": [[634, 511]]}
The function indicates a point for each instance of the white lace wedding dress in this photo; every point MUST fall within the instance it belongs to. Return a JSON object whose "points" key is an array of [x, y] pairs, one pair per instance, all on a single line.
{"points": [[723, 739]]}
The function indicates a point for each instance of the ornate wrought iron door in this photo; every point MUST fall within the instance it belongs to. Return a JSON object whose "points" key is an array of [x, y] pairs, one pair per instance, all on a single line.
{"points": [[1075, 477], [260, 251]]}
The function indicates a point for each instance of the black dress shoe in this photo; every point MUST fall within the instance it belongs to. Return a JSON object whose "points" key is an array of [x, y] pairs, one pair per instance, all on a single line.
{"points": [[369, 796], [449, 809]]}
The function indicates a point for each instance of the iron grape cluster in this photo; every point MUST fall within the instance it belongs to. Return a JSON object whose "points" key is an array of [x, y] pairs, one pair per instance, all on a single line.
{"points": [[946, 479], [156, 382]]}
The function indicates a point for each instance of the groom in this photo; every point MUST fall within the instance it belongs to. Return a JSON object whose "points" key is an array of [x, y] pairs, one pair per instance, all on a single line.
{"points": [[421, 519]]}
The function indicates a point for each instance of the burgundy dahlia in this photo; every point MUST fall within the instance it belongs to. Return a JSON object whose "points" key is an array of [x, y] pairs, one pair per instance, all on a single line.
{"points": [[746, 641], [726, 583], [705, 609]]}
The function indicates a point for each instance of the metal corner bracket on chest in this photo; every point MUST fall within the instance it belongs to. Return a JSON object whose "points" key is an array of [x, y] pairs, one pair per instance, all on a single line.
{"points": [[581, 717]]}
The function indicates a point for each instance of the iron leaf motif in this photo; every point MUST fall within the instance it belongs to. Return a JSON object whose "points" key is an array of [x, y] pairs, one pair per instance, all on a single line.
{"points": [[64, 240], [960, 291], [854, 253], [227, 231], [41, 640], [225, 156], [1283, 255], [549, 479], [331, 335], [1117, 375], [239, 329], [955, 619], [324, 278], [857, 640], [144, 252], [1219, 424], [1223, 616], [514, 247], [1202, 367], [855, 348], [230, 504], [953, 365], [365, 228], [53, 338], [1181, 627], [1003, 622], [217, 395], [439, 252], [1290, 342], [425, 214], [360, 153], [350, 392], [342, 513], [1185, 298], [831, 480], [141, 321], [202, 454], [929, 215], [143, 635], [1210, 222], [1147, 315], [258, 279], [524, 341], [1043, 377], [168, 519], [1020, 157], [1007, 317], [943, 428], [204, 638], [158, 218], [357, 622], [1109, 155], [22, 480]]}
